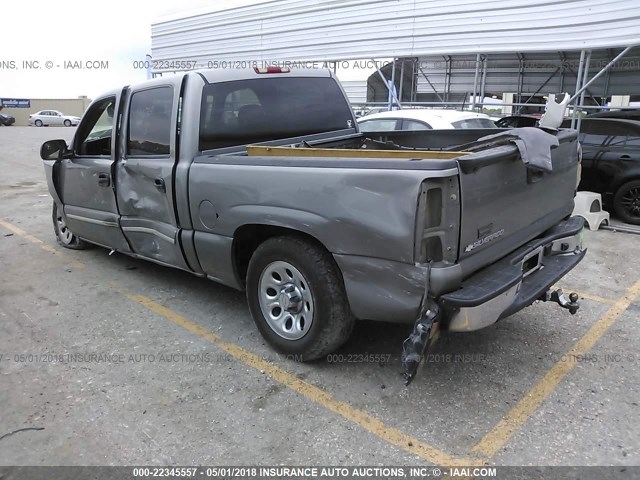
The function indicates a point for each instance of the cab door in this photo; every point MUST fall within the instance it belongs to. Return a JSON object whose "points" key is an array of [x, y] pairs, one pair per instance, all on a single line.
{"points": [[56, 118], [85, 180], [145, 172]]}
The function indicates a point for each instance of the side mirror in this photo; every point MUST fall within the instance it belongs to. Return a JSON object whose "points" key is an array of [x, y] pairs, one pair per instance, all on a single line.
{"points": [[53, 150]]}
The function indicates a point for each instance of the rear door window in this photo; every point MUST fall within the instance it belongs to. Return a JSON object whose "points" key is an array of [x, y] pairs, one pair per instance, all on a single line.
{"points": [[258, 110], [602, 132], [381, 125], [149, 131], [474, 123], [633, 141], [415, 125]]}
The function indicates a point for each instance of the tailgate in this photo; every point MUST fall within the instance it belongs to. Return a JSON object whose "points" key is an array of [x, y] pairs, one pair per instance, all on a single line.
{"points": [[505, 204]]}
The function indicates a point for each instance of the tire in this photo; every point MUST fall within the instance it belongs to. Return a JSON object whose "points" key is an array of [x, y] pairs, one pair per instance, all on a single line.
{"points": [[626, 202], [67, 123], [309, 300], [38, 123], [64, 236]]}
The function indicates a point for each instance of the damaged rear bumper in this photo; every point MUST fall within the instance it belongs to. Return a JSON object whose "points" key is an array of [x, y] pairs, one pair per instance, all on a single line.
{"points": [[515, 281]]}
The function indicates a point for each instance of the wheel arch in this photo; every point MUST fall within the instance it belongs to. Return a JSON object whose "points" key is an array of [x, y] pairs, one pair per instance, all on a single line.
{"points": [[628, 176], [247, 238]]}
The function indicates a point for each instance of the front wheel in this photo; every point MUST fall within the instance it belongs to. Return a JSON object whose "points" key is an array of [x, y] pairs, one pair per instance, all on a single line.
{"points": [[297, 299], [626, 203], [67, 123], [64, 236]]}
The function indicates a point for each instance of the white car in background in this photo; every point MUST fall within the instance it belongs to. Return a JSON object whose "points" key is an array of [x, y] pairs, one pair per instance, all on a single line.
{"points": [[423, 119], [52, 117]]}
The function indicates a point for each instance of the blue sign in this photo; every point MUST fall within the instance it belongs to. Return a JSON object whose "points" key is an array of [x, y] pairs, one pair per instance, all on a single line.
{"points": [[15, 102]]}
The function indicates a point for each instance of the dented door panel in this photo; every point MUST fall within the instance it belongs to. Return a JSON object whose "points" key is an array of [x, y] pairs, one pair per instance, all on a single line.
{"points": [[144, 173]]}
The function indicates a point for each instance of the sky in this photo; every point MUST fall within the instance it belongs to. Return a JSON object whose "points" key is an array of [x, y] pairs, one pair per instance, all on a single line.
{"points": [[48, 47]]}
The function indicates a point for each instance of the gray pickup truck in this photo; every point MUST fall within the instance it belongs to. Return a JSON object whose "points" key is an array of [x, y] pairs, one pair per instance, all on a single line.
{"points": [[260, 180]]}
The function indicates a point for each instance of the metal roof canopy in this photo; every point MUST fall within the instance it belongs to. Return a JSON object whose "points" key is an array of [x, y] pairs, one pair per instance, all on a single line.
{"points": [[325, 30], [460, 79], [524, 73], [331, 30], [625, 78]]}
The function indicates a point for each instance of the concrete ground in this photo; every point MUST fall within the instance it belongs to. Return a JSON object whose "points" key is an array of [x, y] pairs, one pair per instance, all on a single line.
{"points": [[107, 360]]}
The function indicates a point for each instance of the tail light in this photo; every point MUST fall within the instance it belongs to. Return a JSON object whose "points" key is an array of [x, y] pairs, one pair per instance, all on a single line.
{"points": [[438, 221]]}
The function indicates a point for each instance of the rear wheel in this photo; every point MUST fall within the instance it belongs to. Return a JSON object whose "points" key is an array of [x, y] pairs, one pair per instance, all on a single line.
{"points": [[38, 123], [626, 203], [67, 123], [65, 237], [297, 299]]}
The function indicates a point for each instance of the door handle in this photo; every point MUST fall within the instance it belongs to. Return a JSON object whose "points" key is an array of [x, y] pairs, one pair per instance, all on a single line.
{"points": [[625, 157], [104, 179], [159, 184]]}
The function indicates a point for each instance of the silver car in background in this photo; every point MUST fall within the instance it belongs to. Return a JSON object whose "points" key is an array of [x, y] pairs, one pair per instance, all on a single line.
{"points": [[423, 119], [52, 117]]}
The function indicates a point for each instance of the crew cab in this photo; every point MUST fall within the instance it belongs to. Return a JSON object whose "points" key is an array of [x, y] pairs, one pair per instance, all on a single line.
{"points": [[260, 180]]}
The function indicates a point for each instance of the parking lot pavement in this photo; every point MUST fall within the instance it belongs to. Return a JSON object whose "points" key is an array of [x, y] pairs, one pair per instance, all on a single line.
{"points": [[111, 360]]}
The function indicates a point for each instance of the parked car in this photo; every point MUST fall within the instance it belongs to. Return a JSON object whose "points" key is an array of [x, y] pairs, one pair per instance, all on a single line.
{"points": [[52, 117], [196, 171], [622, 114], [517, 121], [423, 119], [6, 120], [611, 163]]}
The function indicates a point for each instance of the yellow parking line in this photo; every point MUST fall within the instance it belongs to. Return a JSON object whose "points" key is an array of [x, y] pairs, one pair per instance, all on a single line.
{"points": [[317, 395], [364, 420], [493, 441], [43, 245], [174, 317], [588, 296], [594, 298], [28, 236], [488, 446]]}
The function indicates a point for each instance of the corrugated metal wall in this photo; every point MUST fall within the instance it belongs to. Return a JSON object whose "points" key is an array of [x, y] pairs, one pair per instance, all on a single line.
{"points": [[354, 29], [356, 90]]}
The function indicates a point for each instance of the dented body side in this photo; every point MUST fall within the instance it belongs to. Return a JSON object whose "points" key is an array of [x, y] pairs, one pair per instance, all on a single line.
{"points": [[365, 216]]}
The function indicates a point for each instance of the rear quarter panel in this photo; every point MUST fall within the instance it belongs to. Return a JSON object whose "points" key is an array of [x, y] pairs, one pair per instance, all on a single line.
{"points": [[351, 211]]}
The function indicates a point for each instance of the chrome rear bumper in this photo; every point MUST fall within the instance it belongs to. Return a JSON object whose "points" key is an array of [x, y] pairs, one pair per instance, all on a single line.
{"points": [[516, 281]]}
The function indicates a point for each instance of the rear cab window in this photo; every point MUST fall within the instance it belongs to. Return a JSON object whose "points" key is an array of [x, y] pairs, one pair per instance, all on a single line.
{"points": [[259, 110]]}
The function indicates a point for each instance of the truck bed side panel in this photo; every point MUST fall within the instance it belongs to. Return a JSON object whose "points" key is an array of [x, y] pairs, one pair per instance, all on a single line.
{"points": [[351, 211]]}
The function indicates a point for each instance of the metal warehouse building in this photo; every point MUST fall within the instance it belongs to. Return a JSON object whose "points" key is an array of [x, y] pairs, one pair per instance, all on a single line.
{"points": [[441, 52]]}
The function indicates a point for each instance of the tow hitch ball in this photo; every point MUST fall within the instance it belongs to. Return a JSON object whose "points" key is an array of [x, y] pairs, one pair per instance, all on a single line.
{"points": [[560, 298]]}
